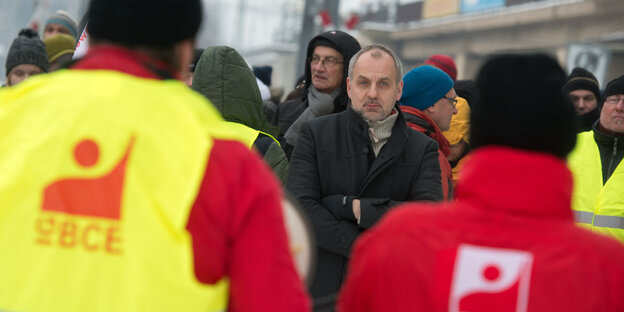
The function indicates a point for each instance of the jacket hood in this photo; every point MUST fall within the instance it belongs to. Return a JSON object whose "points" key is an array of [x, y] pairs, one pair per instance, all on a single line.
{"points": [[347, 46], [223, 76]]}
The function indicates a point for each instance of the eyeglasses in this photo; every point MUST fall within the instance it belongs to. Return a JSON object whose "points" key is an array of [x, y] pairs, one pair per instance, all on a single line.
{"points": [[328, 61], [614, 100], [452, 100]]}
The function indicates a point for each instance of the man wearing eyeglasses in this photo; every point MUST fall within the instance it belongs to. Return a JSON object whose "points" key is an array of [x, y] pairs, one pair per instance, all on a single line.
{"points": [[428, 102], [325, 91], [596, 163]]}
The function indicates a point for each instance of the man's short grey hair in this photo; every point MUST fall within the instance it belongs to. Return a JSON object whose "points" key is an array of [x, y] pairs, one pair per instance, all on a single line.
{"points": [[381, 48]]}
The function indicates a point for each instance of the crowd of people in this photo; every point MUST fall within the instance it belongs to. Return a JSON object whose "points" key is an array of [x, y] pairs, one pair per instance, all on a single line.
{"points": [[151, 174]]}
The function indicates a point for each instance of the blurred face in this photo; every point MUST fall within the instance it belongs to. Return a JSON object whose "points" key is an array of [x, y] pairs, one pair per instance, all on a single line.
{"points": [[20, 72], [326, 66], [53, 29], [374, 88], [612, 114], [584, 101], [443, 110]]}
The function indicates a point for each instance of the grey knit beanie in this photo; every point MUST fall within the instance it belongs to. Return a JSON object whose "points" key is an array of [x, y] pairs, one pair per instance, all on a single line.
{"points": [[27, 48], [64, 19]]}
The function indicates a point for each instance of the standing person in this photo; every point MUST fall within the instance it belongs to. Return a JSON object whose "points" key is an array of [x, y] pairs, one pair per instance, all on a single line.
{"points": [[596, 163], [27, 57], [443, 62], [508, 242], [457, 132], [60, 23], [240, 102], [325, 90], [124, 190], [583, 89], [60, 49], [428, 102], [348, 169]]}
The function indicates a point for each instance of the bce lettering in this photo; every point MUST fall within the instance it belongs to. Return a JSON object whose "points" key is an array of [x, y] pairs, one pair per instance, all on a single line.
{"points": [[68, 232]]}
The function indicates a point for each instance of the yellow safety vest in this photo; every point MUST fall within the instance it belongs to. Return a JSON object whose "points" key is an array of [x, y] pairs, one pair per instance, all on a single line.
{"points": [[99, 171], [596, 206], [246, 134]]}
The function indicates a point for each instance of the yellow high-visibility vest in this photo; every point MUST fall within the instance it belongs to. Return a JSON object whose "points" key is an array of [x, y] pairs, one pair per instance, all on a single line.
{"points": [[596, 206], [98, 174]]}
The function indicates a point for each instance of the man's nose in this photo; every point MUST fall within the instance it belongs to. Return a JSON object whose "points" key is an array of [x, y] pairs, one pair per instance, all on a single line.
{"points": [[372, 92]]}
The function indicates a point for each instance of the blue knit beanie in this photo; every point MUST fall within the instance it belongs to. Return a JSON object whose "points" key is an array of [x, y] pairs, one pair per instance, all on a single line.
{"points": [[423, 86]]}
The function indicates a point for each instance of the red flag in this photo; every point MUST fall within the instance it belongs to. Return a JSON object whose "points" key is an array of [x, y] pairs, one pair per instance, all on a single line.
{"points": [[326, 19], [354, 19]]}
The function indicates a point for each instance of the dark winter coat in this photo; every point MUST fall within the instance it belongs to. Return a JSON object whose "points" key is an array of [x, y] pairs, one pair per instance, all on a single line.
{"points": [[289, 111], [223, 76], [334, 162]]}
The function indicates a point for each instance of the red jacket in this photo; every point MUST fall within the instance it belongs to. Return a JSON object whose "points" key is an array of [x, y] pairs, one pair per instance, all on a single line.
{"points": [[236, 223], [508, 243], [420, 122]]}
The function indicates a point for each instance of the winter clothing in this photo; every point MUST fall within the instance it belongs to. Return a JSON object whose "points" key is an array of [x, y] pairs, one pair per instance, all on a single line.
{"points": [[444, 63], [223, 77], [59, 45], [290, 111], [140, 23], [263, 73], [596, 163], [27, 48], [422, 123], [424, 86], [615, 86], [466, 89], [581, 79], [460, 123], [203, 199], [333, 163], [521, 105], [521, 222], [64, 19], [458, 131]]}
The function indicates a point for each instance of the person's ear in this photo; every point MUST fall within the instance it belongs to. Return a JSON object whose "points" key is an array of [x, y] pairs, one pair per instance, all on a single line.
{"points": [[184, 56], [400, 90]]}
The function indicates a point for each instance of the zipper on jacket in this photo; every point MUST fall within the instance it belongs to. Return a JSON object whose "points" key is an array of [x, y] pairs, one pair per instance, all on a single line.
{"points": [[613, 156]]}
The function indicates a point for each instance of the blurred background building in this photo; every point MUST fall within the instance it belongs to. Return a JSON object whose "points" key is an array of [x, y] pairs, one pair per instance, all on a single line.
{"points": [[586, 33]]}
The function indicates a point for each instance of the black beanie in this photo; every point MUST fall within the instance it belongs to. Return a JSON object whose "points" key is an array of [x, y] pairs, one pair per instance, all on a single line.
{"points": [[581, 79], [27, 48], [144, 22], [615, 86], [520, 104]]}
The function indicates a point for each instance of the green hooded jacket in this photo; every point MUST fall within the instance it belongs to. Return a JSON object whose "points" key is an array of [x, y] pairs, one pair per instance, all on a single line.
{"points": [[223, 76]]}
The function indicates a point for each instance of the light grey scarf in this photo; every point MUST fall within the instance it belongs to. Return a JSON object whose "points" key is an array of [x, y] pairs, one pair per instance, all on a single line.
{"points": [[380, 131], [319, 104]]}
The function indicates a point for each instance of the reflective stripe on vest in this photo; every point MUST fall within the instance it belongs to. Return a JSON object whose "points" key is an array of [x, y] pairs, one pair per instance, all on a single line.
{"points": [[609, 222], [583, 217], [598, 207], [96, 191]]}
